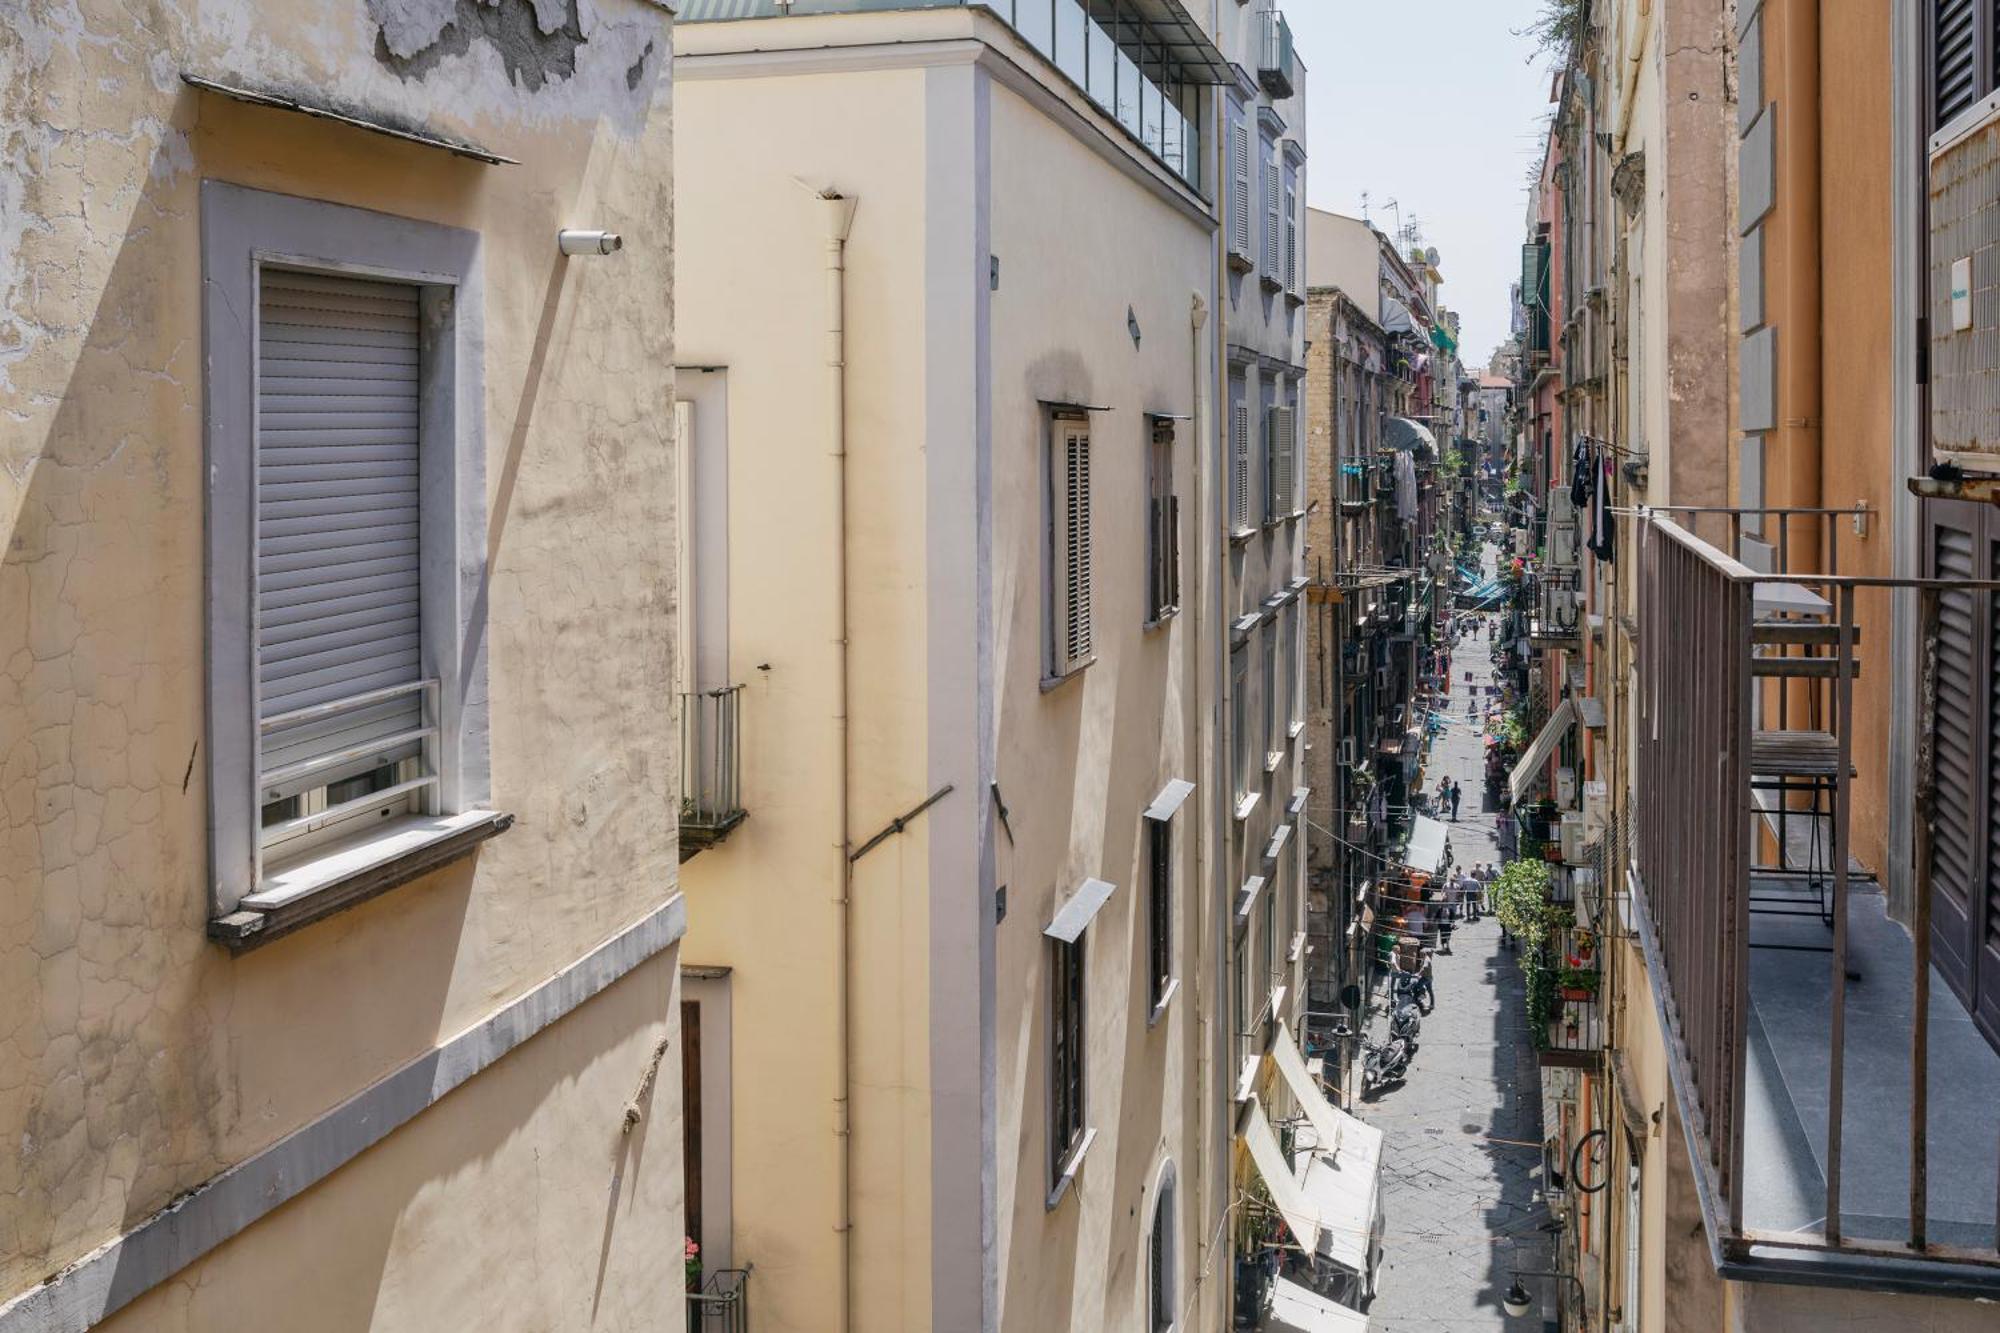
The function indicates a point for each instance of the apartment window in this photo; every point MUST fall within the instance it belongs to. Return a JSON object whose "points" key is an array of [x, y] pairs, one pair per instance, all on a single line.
{"points": [[1160, 907], [1160, 1285], [1239, 721], [1066, 1126], [1272, 742], [1291, 227], [1267, 949], [1240, 189], [1245, 1005], [1163, 527], [1069, 543], [1273, 221], [344, 448], [1239, 456]]}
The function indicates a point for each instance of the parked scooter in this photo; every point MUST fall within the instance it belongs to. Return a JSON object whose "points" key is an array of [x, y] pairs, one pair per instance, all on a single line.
{"points": [[1384, 1063], [1414, 988], [1406, 1021]]}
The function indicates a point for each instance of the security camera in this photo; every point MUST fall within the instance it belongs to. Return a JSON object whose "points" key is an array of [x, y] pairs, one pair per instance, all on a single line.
{"points": [[573, 242]]}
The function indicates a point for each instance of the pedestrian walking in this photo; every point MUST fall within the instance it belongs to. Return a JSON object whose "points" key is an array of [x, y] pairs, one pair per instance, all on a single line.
{"points": [[1457, 794]]}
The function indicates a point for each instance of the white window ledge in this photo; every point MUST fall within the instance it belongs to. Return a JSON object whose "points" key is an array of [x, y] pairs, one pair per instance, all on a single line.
{"points": [[1067, 675], [1246, 1078], [1246, 803], [1295, 729], [1166, 998], [1272, 758], [1070, 1168], [352, 872], [1298, 947]]}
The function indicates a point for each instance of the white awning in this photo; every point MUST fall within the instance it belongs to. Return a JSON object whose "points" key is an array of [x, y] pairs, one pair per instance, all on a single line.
{"points": [[1537, 758], [1246, 898], [1343, 1175], [1286, 1193], [1278, 841], [1300, 795], [1590, 709], [1426, 850], [1169, 800], [1077, 912], [1297, 1309]]}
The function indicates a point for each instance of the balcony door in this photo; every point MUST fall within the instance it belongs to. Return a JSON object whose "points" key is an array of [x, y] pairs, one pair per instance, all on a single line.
{"points": [[1962, 541]]}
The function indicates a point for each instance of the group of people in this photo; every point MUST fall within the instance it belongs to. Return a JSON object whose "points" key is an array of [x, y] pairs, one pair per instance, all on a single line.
{"points": [[1450, 794]]}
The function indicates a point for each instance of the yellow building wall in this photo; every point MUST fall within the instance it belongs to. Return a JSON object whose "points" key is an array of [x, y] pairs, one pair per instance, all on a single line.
{"points": [[141, 1059]]}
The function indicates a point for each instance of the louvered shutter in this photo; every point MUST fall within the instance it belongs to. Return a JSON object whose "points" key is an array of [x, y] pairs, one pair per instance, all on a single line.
{"points": [[1291, 241], [1273, 184], [1076, 630], [1954, 852], [1955, 56], [1282, 432], [1239, 170], [337, 523], [1239, 447]]}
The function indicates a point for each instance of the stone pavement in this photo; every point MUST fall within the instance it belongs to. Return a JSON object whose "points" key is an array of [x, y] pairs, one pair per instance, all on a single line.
{"points": [[1461, 1148]]}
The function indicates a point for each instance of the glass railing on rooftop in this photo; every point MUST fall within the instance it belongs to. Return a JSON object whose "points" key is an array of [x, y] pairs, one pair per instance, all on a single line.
{"points": [[1143, 62]]}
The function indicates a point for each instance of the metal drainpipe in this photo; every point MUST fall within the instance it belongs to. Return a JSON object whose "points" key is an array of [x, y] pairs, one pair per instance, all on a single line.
{"points": [[837, 215]]}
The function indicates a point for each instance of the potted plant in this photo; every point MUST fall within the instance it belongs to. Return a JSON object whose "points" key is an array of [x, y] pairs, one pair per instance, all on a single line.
{"points": [[1578, 983]]}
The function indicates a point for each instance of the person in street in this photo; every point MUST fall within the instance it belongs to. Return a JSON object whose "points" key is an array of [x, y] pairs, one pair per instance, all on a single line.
{"points": [[1469, 889], [1457, 794]]}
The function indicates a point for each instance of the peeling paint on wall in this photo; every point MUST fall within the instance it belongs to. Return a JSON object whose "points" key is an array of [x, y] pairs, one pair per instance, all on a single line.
{"points": [[536, 39]]}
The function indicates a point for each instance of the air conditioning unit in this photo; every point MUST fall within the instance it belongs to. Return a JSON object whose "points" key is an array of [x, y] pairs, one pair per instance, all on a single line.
{"points": [[1596, 807], [1964, 326], [1572, 838], [1566, 787]]}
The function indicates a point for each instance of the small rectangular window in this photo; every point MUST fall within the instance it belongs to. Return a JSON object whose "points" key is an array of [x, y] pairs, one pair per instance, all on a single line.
{"points": [[1239, 721], [1160, 906], [1163, 527], [1240, 186], [1267, 945], [1273, 202], [1066, 1044], [1069, 544], [1272, 743], [1239, 466]]}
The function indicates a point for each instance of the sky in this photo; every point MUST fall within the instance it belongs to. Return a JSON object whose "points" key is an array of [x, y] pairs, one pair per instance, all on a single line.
{"points": [[1436, 105]]}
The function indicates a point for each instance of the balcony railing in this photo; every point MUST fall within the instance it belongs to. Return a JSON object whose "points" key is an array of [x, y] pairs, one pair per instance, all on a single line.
{"points": [[711, 767], [1277, 61], [1814, 1062], [722, 1305]]}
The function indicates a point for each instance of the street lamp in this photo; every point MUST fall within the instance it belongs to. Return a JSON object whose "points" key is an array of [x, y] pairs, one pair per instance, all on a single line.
{"points": [[1518, 1302]]}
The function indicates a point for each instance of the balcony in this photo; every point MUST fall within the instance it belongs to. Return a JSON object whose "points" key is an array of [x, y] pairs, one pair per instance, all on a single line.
{"points": [[1842, 1109], [721, 1304], [1277, 62], [711, 767]]}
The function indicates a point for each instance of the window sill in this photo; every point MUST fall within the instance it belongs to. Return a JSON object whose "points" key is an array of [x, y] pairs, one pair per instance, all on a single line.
{"points": [[1294, 731], [1272, 758], [1271, 284], [1294, 300], [1240, 262], [353, 873], [1298, 947], [1160, 619], [1056, 682], [1246, 803], [1166, 998], [1238, 536], [1070, 1168]]}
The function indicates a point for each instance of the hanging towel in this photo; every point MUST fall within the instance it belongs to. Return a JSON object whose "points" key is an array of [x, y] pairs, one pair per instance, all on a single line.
{"points": [[1603, 523], [1580, 473]]}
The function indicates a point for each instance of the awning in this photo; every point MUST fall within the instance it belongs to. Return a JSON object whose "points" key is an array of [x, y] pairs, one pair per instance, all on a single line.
{"points": [[1396, 317], [1403, 433], [1077, 912], [1286, 1193], [1169, 800], [1344, 1174], [1442, 340], [1522, 779], [1426, 850], [1590, 711], [1297, 1309], [327, 110]]}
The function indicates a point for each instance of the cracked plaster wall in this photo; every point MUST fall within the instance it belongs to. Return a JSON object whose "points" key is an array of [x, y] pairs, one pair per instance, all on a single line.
{"points": [[136, 1059]]}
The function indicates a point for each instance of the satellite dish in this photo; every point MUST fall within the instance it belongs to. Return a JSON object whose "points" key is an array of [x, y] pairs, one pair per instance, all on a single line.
{"points": [[1431, 256]]}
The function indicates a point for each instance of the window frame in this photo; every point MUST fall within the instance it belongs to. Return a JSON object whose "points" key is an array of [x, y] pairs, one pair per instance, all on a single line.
{"points": [[1162, 1255], [1159, 913], [1061, 660], [1069, 1112], [244, 230], [1163, 516]]}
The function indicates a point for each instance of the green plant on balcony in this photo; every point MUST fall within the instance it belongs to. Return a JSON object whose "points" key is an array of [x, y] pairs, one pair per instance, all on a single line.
{"points": [[1578, 983]]}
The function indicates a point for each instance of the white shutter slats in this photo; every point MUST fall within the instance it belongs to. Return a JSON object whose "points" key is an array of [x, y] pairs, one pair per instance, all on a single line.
{"points": [[1240, 468], [338, 521], [1076, 543], [1239, 218], [1272, 178]]}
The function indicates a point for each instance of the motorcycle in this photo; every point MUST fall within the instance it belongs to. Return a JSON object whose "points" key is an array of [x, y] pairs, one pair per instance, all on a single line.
{"points": [[1414, 988], [1405, 1022], [1384, 1063]]}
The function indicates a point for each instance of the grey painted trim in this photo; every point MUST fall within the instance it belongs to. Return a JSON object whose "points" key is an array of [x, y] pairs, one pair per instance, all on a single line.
{"points": [[962, 737], [1750, 72], [1908, 168], [1750, 280], [242, 229], [119, 1272], [1758, 389]]}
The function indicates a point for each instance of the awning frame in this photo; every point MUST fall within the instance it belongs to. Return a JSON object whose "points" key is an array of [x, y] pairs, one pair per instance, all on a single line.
{"points": [[1522, 779]]}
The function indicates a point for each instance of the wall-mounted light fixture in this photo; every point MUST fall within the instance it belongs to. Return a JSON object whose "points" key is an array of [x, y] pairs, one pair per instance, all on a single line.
{"points": [[573, 242]]}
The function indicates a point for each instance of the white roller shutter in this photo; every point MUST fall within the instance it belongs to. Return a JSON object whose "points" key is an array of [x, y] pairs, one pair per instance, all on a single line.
{"points": [[1076, 628], [1239, 173], [337, 524]]}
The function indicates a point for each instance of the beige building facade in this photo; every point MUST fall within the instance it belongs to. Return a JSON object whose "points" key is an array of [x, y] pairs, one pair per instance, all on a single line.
{"points": [[337, 844]]}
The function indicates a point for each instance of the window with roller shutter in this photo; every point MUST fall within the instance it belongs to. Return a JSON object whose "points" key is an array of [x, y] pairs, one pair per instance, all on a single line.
{"points": [[345, 715], [346, 726]]}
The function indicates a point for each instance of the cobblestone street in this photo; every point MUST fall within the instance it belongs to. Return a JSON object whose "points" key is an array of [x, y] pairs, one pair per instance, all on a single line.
{"points": [[1463, 1131]]}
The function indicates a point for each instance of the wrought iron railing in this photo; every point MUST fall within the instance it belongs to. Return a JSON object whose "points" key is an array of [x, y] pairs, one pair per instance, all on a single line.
{"points": [[711, 766], [1723, 647], [722, 1303]]}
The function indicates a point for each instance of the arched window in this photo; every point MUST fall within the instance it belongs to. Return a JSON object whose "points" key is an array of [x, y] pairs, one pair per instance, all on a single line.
{"points": [[1160, 1257]]}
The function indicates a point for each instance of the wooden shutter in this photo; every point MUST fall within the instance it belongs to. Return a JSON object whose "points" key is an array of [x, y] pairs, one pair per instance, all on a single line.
{"points": [[1291, 240], [1273, 195], [1239, 170], [338, 606], [1075, 627], [1284, 427], [1239, 447]]}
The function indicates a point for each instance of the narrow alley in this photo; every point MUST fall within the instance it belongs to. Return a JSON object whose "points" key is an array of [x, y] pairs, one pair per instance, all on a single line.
{"points": [[1458, 1186]]}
